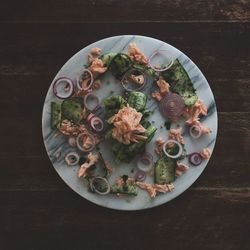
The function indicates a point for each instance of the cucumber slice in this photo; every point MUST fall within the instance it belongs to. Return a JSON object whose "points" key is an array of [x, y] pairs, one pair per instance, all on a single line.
{"points": [[164, 170], [120, 64], [55, 114], [137, 100], [125, 189], [180, 83], [72, 109], [107, 58]]}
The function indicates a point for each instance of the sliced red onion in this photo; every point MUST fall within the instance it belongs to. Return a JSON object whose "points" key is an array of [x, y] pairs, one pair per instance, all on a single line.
{"points": [[98, 181], [140, 175], [72, 141], [85, 73], [195, 131], [63, 88], [88, 99], [195, 159], [172, 106], [170, 155], [88, 119], [159, 58], [79, 142], [96, 124], [145, 162], [129, 85], [72, 158]]}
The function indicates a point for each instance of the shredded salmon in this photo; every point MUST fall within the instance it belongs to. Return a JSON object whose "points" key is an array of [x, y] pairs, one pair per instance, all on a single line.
{"points": [[137, 79], [157, 96], [152, 189], [127, 127], [199, 108], [92, 160], [164, 89], [181, 168], [204, 130], [136, 55], [97, 67], [97, 84], [205, 153], [175, 134], [95, 51], [67, 128], [159, 146], [163, 86]]}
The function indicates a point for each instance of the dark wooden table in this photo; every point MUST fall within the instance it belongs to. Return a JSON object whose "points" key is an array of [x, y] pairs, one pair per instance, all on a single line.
{"points": [[37, 210]]}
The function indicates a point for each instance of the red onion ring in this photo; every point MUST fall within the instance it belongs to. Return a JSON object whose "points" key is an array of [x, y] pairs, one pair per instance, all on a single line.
{"points": [[195, 159], [88, 119], [140, 175], [87, 99], [145, 162], [95, 122], [176, 143], [93, 185], [63, 80], [79, 79], [126, 79], [166, 54], [172, 106], [79, 142], [72, 158], [195, 131]]}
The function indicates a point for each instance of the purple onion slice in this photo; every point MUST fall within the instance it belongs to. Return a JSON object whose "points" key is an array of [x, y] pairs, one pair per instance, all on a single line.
{"points": [[85, 74], [195, 159], [63, 88], [140, 175], [172, 106]]}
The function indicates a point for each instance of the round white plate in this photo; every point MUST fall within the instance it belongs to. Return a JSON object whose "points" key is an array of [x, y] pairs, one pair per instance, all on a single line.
{"points": [[58, 144]]}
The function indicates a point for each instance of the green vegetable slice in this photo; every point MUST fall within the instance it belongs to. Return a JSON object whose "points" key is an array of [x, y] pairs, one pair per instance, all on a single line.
{"points": [[72, 109], [128, 189], [120, 64], [126, 153], [137, 100], [55, 114], [180, 83], [145, 69], [107, 58], [164, 170], [113, 104]]}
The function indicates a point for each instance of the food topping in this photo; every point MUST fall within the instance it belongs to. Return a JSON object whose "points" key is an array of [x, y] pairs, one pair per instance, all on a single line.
{"points": [[97, 67], [136, 55], [85, 141], [91, 160], [195, 159], [199, 108], [181, 168], [159, 146], [175, 134], [164, 89], [72, 158], [152, 189], [127, 127], [205, 153]]}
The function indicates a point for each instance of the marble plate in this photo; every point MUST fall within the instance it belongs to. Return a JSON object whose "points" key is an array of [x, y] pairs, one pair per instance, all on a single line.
{"points": [[58, 144]]}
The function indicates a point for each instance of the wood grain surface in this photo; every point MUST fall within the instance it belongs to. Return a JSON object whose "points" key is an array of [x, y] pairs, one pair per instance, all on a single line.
{"points": [[37, 210]]}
